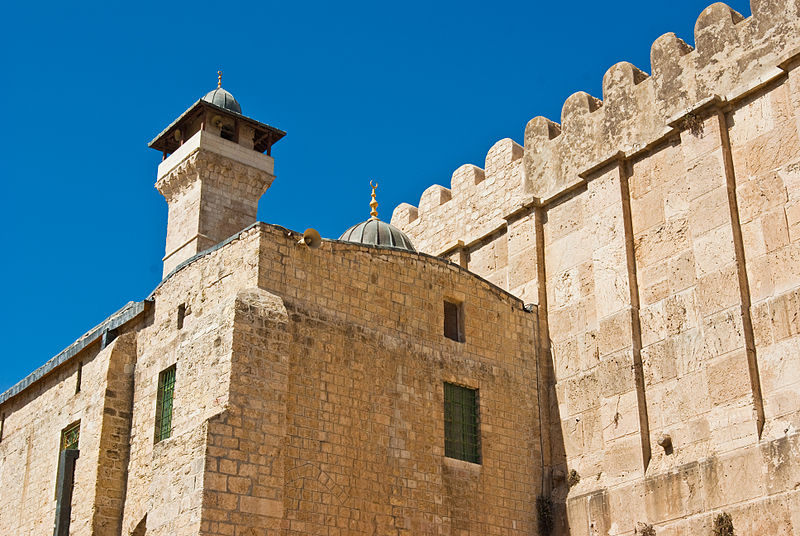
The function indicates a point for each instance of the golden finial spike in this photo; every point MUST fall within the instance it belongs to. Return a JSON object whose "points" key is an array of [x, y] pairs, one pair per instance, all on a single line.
{"points": [[219, 79], [374, 203]]}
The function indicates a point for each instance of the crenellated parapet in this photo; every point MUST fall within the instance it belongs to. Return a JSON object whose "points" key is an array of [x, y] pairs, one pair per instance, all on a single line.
{"points": [[637, 110], [474, 203]]}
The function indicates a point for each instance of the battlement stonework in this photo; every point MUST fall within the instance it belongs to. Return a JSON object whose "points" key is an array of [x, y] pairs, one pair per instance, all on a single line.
{"points": [[657, 231]]}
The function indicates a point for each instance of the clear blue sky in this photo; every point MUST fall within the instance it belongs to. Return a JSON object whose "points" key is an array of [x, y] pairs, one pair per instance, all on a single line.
{"points": [[401, 92]]}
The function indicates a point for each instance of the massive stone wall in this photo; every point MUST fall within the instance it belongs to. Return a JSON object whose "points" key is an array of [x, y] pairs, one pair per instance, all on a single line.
{"points": [[656, 231], [339, 360]]}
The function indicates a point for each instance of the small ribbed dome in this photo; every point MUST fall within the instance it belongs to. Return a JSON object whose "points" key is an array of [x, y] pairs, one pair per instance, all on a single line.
{"points": [[375, 232], [223, 99]]}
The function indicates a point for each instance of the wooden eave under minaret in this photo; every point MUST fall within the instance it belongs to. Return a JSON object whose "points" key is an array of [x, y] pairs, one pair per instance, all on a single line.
{"points": [[177, 133]]}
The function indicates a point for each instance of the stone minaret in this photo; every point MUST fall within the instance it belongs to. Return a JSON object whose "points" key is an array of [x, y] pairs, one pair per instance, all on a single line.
{"points": [[214, 171]]}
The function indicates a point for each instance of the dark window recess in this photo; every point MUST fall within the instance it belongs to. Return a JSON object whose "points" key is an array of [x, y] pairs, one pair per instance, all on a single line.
{"points": [[68, 453], [181, 315], [2, 425], [108, 337], [79, 377], [64, 486], [166, 392], [461, 433], [227, 133], [453, 321]]}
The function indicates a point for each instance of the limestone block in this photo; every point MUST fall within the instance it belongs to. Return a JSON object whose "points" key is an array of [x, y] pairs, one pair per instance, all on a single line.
{"points": [[566, 288], [681, 271], [614, 332], [521, 235], [582, 393], [701, 144], [758, 195], [673, 494], [732, 478], [570, 250], [793, 221], [779, 364], [620, 416], [660, 361], [728, 377], [565, 323], [709, 211], [648, 210], [713, 250], [522, 268], [775, 229], [760, 278], [603, 191], [784, 265], [680, 312], [723, 332], [616, 375], [661, 242], [566, 360], [751, 120], [753, 239], [768, 152], [625, 456], [564, 219], [705, 173], [683, 399], [653, 324], [611, 286], [718, 290]]}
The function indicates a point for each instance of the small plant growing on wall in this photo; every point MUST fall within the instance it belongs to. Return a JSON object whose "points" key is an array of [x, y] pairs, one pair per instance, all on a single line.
{"points": [[723, 525], [573, 477], [544, 510], [645, 529]]}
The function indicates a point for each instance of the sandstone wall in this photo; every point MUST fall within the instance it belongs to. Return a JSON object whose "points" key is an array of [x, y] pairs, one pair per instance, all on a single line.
{"points": [[335, 423], [30, 446], [656, 232], [165, 479]]}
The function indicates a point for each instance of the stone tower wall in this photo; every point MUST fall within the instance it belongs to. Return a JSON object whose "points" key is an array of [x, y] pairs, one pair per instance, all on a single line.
{"points": [[212, 187], [657, 232]]}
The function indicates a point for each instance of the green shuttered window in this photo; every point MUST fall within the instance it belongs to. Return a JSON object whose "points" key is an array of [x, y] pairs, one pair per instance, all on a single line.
{"points": [[166, 392], [461, 433]]}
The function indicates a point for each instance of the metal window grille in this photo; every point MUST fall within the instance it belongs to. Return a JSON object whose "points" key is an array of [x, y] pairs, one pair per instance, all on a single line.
{"points": [[461, 433], [70, 436], [166, 391]]}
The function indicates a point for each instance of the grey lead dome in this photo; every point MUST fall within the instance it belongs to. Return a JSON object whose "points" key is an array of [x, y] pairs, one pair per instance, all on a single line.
{"points": [[375, 232], [223, 99]]}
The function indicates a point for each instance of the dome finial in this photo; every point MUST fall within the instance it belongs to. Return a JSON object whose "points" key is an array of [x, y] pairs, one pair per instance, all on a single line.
{"points": [[374, 203], [219, 79]]}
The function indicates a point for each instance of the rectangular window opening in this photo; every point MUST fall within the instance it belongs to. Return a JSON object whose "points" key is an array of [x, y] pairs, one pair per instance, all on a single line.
{"points": [[79, 377], [181, 315], [2, 425], [454, 321], [166, 392], [68, 454], [461, 430]]}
